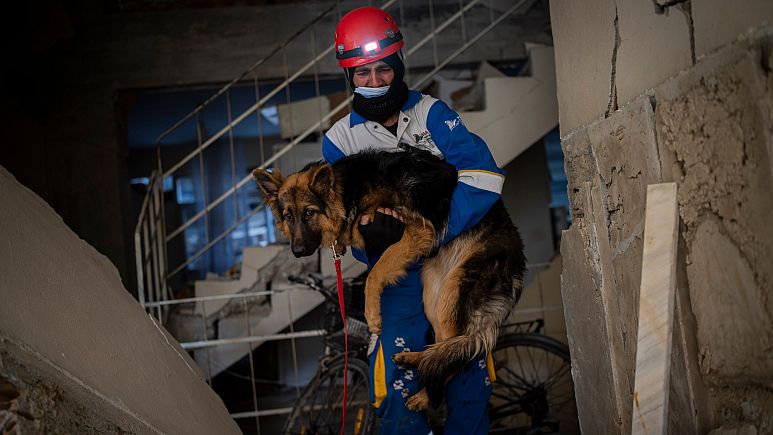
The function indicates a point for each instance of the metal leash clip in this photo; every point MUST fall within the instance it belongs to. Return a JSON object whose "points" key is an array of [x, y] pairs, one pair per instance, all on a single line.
{"points": [[336, 255]]}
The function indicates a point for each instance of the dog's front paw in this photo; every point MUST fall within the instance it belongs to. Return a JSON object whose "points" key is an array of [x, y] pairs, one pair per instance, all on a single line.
{"points": [[373, 315], [374, 322], [418, 402]]}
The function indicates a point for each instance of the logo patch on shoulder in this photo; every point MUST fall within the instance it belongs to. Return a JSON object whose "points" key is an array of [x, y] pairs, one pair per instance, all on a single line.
{"points": [[424, 141], [452, 123]]}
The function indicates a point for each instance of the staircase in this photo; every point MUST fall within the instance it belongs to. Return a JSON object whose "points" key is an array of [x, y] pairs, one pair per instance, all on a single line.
{"points": [[509, 124], [519, 110]]}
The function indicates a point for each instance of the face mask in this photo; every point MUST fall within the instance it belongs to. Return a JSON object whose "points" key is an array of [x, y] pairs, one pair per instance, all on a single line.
{"points": [[371, 92]]}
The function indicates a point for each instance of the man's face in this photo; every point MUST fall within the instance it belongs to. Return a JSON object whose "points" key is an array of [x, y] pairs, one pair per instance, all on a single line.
{"points": [[373, 75]]}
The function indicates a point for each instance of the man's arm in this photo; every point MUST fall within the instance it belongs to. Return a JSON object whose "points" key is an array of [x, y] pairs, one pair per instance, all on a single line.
{"points": [[330, 151], [480, 180]]}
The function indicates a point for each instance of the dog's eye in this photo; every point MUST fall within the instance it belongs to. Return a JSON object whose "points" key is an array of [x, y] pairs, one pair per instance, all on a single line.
{"points": [[309, 213], [288, 216]]}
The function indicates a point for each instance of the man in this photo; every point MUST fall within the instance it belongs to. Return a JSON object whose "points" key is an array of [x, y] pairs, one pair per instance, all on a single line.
{"points": [[387, 115]]}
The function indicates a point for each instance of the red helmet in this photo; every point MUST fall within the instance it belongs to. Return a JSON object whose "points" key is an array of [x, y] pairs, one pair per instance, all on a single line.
{"points": [[365, 35]]}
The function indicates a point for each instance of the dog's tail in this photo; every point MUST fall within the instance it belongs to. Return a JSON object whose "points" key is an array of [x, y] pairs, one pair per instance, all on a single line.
{"points": [[443, 360]]}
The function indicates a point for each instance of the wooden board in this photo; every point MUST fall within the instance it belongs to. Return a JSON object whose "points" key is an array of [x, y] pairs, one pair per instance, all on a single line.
{"points": [[656, 311]]}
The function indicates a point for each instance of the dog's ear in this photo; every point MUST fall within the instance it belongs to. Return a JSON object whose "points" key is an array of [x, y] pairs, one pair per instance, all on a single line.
{"points": [[322, 179], [268, 183]]}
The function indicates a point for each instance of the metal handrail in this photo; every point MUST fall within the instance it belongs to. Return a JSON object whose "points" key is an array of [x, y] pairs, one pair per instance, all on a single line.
{"points": [[241, 77], [252, 109]]}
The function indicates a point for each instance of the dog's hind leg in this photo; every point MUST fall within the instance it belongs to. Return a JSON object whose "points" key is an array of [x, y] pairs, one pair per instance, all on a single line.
{"points": [[419, 401], [407, 358], [417, 240]]}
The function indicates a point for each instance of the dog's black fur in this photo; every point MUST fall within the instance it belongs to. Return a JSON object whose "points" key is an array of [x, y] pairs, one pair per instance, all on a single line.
{"points": [[415, 179]]}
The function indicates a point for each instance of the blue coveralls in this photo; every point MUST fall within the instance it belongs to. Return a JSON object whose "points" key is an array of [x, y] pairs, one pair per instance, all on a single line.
{"points": [[430, 124]]}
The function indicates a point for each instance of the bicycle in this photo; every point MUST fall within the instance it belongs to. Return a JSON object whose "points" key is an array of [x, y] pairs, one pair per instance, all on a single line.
{"points": [[532, 392], [318, 410]]}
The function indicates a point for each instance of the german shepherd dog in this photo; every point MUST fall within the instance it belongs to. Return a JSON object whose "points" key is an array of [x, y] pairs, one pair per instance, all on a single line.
{"points": [[470, 283]]}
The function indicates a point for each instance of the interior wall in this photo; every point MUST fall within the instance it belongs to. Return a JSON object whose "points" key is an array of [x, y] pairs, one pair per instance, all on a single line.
{"points": [[529, 208], [668, 92]]}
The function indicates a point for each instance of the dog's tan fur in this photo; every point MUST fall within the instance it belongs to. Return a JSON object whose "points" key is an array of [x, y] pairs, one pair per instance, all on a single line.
{"points": [[416, 241]]}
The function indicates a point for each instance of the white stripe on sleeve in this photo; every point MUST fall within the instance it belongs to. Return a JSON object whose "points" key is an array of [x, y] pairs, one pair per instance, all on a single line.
{"points": [[485, 180]]}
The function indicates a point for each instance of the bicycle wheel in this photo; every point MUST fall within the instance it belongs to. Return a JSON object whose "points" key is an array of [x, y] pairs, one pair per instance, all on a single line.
{"points": [[318, 411], [533, 392]]}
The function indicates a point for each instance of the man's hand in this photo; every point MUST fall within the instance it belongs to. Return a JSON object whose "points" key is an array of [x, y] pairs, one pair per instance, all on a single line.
{"points": [[381, 231]]}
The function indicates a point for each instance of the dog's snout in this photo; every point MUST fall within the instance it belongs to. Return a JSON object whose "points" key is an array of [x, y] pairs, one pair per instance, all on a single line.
{"points": [[299, 251]]}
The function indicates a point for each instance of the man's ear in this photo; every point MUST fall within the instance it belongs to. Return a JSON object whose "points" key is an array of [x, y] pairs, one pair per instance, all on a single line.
{"points": [[268, 183], [323, 179]]}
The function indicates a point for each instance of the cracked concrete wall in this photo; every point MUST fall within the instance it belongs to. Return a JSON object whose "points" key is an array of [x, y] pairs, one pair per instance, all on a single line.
{"points": [[687, 107], [610, 51]]}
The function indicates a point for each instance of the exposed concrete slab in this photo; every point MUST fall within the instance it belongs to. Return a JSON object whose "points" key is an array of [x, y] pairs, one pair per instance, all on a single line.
{"points": [[733, 328], [579, 166], [680, 408], [626, 267], [623, 361], [51, 403], [64, 303], [653, 47], [584, 39], [714, 136], [718, 22], [625, 156], [626, 153], [689, 412], [591, 361], [743, 407], [713, 133], [589, 212]]}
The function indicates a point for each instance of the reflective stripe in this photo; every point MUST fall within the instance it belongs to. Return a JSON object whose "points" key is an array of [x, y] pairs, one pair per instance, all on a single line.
{"points": [[492, 374], [485, 180], [379, 378]]}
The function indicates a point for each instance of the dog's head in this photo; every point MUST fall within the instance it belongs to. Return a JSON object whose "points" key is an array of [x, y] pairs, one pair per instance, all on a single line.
{"points": [[306, 205]]}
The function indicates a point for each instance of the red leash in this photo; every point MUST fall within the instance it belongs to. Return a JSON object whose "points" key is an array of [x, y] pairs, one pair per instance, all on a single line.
{"points": [[340, 281]]}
